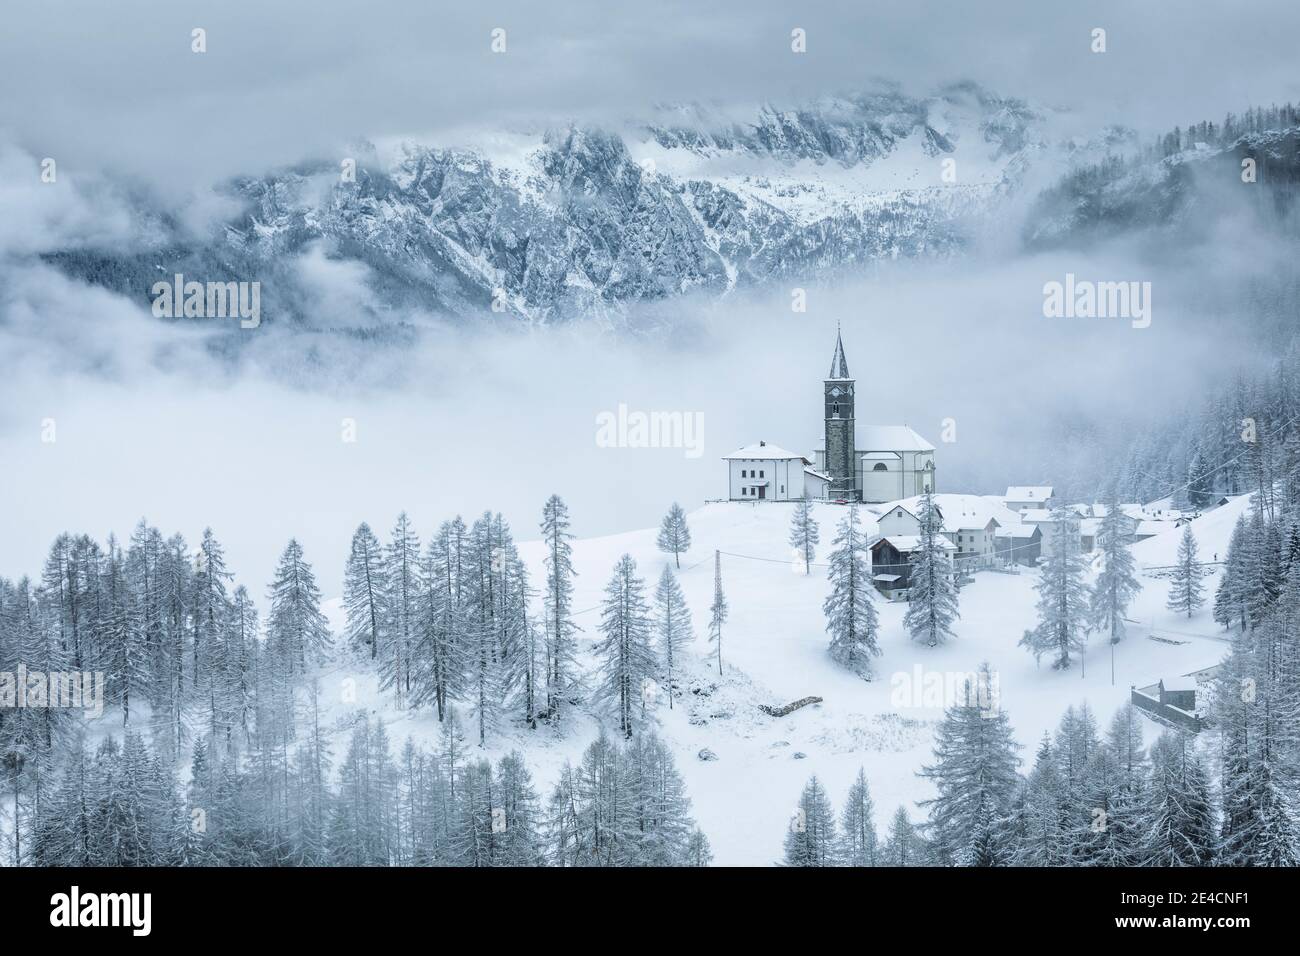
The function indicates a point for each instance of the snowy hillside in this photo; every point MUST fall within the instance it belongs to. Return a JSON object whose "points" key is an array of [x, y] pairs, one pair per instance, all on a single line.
{"points": [[774, 652]]}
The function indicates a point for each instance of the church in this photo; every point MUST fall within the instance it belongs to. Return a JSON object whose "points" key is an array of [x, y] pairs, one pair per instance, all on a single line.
{"points": [[882, 463]]}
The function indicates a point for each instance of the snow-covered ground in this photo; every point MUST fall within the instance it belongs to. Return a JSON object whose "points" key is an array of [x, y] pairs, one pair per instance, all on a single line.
{"points": [[774, 651]]}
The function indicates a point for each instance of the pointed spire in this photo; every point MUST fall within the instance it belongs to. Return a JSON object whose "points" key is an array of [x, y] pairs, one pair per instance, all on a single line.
{"points": [[839, 367]]}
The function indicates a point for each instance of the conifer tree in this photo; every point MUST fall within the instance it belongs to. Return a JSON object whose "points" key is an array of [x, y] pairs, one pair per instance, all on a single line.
{"points": [[805, 534], [673, 628], [859, 845], [903, 846], [932, 592], [296, 630], [1230, 598], [561, 664], [1116, 583], [975, 777], [1178, 821], [399, 627], [627, 660], [674, 534], [1062, 597], [851, 618], [810, 840], [1186, 593], [364, 585]]}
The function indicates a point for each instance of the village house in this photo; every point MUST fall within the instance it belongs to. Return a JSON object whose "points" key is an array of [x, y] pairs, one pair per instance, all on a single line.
{"points": [[1020, 497], [969, 522], [891, 562], [1018, 542], [764, 472]]}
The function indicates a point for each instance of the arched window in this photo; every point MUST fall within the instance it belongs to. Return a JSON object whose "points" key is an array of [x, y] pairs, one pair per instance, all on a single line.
{"points": [[880, 466]]}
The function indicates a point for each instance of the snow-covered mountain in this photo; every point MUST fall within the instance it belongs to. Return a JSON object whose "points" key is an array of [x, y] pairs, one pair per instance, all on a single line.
{"points": [[1192, 189], [582, 219]]}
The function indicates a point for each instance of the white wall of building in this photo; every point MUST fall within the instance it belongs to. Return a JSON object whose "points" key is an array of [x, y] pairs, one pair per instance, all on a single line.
{"points": [[904, 475], [784, 478]]}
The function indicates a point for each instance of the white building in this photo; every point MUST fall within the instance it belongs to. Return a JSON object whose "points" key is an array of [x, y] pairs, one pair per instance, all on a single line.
{"points": [[764, 472], [880, 463], [1048, 523], [1019, 497], [969, 522]]}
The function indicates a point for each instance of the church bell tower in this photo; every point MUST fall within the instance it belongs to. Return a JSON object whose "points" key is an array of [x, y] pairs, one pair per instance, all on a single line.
{"points": [[841, 435]]}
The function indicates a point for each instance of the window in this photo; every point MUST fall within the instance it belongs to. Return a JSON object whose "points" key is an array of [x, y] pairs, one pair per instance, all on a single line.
{"points": [[744, 473], [760, 474], [880, 466]]}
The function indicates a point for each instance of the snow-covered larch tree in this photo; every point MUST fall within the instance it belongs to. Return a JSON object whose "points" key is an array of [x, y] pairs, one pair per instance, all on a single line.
{"points": [[674, 534], [296, 629], [672, 627], [851, 618], [1062, 596], [975, 778], [1186, 593], [1116, 584], [804, 535], [557, 606], [810, 840], [363, 590], [932, 592], [859, 845], [627, 661]]}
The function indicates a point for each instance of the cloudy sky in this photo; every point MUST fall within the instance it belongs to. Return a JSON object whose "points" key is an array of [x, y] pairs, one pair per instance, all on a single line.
{"points": [[116, 84]]}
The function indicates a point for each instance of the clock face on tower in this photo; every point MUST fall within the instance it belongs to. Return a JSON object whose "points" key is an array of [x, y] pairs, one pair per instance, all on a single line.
{"points": [[835, 392]]}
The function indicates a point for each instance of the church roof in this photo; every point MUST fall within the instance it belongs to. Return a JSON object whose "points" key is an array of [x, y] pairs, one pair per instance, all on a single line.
{"points": [[891, 438], [762, 451], [839, 367]]}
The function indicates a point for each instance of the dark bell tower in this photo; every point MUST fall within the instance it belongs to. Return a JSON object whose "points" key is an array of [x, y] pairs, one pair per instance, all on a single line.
{"points": [[841, 435]]}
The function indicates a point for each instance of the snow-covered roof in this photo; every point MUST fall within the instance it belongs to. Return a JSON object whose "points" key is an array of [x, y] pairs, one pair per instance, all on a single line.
{"points": [[883, 455], [1028, 492], [903, 543], [886, 578], [762, 451], [1042, 516], [1179, 683], [1089, 526], [891, 438], [959, 512], [1017, 529], [816, 474]]}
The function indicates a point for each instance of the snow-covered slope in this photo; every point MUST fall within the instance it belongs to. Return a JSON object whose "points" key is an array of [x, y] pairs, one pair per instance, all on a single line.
{"points": [[774, 651]]}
